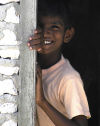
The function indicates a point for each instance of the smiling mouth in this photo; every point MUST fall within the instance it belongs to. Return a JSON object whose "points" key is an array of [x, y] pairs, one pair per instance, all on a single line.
{"points": [[46, 42]]}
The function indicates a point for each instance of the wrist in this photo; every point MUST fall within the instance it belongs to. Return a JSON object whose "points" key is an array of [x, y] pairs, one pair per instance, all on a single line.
{"points": [[42, 103]]}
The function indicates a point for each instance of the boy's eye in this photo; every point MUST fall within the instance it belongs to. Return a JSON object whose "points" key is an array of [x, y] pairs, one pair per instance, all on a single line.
{"points": [[54, 27]]}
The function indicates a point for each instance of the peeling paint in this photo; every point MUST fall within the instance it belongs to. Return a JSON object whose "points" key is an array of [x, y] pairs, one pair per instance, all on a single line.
{"points": [[7, 86], [9, 38], [10, 123], [9, 62], [12, 16], [8, 70], [7, 1], [8, 108], [8, 98], [10, 53]]}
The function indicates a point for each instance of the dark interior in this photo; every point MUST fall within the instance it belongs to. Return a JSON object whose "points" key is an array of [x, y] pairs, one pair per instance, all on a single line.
{"points": [[83, 51]]}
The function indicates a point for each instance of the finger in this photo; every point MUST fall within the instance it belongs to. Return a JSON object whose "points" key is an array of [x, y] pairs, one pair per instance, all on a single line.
{"points": [[36, 47], [37, 31], [34, 42], [35, 36]]}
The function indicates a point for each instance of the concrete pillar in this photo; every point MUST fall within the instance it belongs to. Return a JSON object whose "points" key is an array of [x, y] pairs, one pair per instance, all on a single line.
{"points": [[27, 109]]}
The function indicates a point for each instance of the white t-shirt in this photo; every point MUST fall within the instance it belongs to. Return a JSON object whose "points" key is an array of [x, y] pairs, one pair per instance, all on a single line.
{"points": [[63, 89]]}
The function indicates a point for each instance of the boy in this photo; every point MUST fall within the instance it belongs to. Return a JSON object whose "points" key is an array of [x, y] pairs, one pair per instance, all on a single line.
{"points": [[60, 97]]}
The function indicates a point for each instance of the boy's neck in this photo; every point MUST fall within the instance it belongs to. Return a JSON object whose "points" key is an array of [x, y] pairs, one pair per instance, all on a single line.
{"points": [[46, 61]]}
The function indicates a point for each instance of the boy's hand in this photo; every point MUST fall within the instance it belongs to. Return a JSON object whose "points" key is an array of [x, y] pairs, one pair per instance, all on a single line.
{"points": [[35, 41], [39, 89]]}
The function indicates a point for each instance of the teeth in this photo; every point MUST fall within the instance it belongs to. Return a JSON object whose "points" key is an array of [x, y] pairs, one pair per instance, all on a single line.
{"points": [[47, 42]]}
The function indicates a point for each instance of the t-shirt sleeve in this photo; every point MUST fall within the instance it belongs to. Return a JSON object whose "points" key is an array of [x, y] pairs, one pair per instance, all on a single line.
{"points": [[74, 98]]}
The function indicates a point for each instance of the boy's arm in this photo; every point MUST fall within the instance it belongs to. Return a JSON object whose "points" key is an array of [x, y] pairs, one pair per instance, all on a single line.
{"points": [[60, 120], [57, 118]]}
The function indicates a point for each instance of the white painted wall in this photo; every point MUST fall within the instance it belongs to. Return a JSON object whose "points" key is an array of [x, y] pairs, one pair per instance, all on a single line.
{"points": [[9, 62]]}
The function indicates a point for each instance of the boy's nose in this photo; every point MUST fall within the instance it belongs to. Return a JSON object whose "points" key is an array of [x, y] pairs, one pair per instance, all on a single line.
{"points": [[46, 32]]}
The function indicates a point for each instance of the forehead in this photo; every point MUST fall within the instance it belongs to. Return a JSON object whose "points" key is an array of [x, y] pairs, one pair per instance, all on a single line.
{"points": [[51, 20]]}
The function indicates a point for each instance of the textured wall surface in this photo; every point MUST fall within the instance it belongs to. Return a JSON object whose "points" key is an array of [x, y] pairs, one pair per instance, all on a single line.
{"points": [[9, 62]]}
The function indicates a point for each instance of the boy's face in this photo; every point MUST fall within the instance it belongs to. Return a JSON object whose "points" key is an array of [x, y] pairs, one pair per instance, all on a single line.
{"points": [[53, 31]]}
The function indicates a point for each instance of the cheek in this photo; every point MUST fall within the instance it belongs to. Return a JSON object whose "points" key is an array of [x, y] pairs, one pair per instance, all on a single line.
{"points": [[58, 34], [60, 37]]}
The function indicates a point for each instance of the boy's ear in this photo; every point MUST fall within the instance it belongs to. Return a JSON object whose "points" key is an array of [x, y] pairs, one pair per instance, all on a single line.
{"points": [[69, 33]]}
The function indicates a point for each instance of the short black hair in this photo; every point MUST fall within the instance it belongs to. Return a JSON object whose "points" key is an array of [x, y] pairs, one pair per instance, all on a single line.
{"points": [[54, 8]]}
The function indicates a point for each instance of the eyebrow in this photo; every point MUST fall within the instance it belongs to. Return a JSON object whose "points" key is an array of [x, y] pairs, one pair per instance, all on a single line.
{"points": [[57, 23]]}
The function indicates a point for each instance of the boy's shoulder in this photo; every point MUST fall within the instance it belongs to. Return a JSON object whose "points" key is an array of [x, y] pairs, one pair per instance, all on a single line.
{"points": [[69, 75], [68, 71], [68, 68]]}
